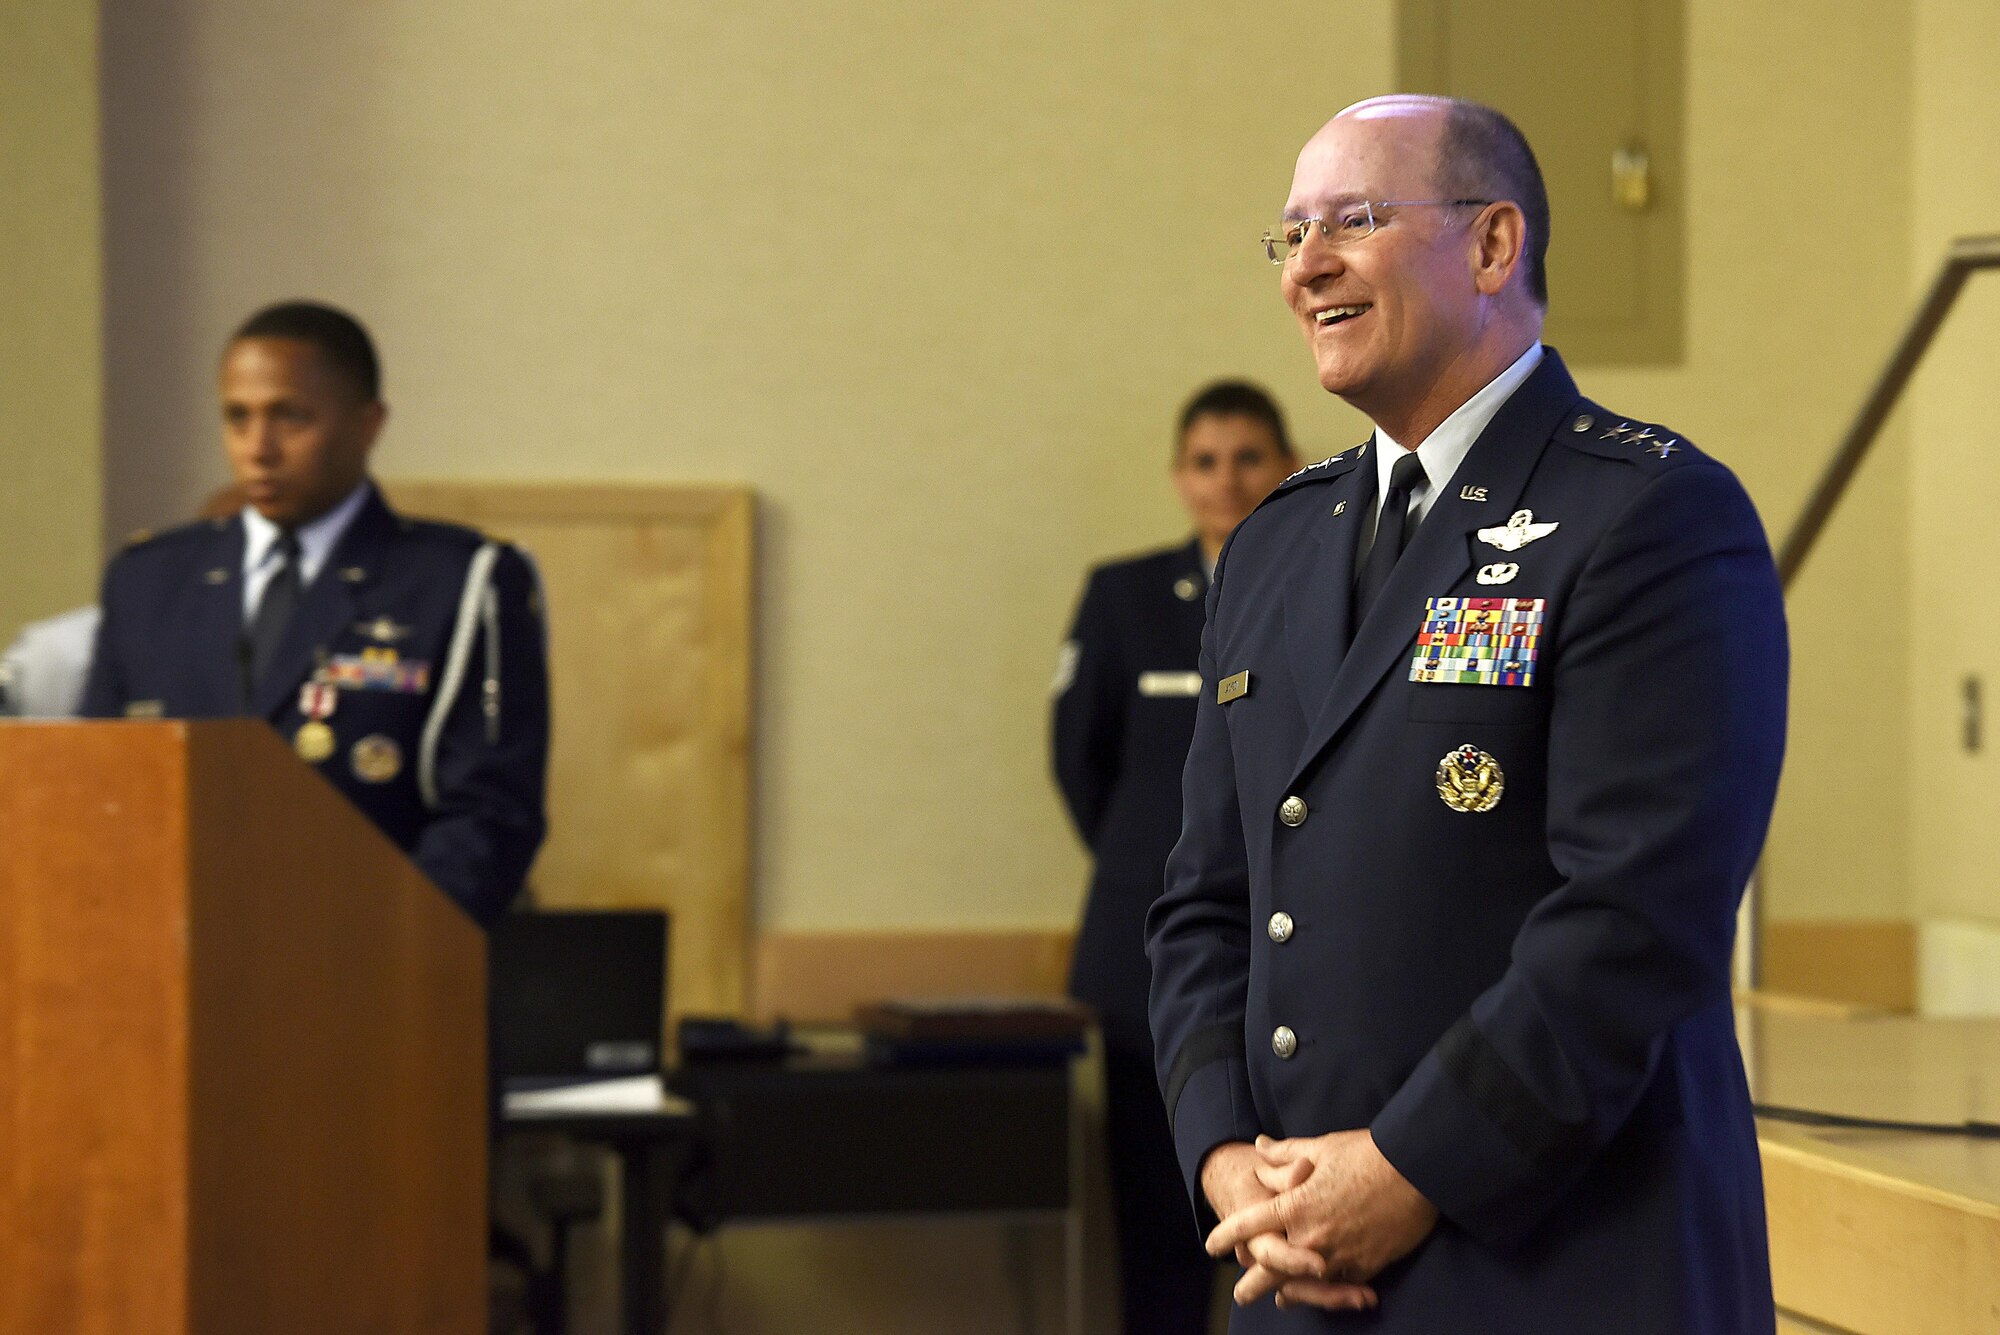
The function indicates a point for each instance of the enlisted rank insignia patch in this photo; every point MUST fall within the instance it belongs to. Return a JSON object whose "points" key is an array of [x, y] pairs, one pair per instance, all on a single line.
{"points": [[1479, 641], [1066, 660]]}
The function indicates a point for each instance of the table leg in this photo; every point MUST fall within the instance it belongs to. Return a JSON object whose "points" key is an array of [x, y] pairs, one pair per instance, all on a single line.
{"points": [[641, 1242]]}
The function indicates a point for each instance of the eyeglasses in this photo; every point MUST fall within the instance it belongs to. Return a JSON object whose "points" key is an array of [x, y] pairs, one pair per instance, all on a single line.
{"points": [[1348, 223]]}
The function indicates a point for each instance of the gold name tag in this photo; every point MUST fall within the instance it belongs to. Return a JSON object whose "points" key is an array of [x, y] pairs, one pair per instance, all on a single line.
{"points": [[1231, 688], [146, 709], [1170, 683]]}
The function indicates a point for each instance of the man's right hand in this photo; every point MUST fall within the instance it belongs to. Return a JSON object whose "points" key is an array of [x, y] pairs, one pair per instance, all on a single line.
{"points": [[1230, 1180]]}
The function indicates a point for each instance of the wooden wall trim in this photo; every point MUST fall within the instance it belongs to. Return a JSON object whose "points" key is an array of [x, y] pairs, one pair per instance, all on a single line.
{"points": [[822, 976], [1865, 962]]}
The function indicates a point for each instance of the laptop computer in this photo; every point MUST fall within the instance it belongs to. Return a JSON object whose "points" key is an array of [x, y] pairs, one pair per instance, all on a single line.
{"points": [[576, 995]]}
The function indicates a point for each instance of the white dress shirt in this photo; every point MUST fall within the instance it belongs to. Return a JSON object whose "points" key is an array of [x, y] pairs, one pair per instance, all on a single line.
{"points": [[1445, 448], [316, 543]]}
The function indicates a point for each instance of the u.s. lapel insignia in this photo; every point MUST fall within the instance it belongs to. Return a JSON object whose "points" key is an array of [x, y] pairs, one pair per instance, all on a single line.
{"points": [[353, 574], [1187, 588], [1519, 530], [1472, 493], [219, 575], [1469, 780], [383, 629], [1339, 507], [1232, 688], [1500, 572]]}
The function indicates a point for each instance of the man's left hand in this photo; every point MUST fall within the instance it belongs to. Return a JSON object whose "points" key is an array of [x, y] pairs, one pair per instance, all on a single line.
{"points": [[1351, 1206]]}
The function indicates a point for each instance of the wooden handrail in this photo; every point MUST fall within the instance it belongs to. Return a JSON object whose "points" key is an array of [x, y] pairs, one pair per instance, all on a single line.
{"points": [[1966, 255]]}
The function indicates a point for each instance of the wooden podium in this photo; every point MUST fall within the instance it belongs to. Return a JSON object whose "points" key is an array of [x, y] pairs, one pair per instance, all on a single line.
{"points": [[242, 1048]]}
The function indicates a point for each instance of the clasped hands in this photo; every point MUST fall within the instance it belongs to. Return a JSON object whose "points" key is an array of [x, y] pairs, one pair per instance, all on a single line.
{"points": [[1312, 1219]]}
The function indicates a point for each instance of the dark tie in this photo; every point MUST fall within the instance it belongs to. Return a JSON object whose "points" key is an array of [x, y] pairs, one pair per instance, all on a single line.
{"points": [[274, 609], [1392, 533]]}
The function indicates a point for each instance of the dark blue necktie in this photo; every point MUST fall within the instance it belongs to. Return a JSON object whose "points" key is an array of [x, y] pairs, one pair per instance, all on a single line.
{"points": [[274, 609], [1392, 532]]}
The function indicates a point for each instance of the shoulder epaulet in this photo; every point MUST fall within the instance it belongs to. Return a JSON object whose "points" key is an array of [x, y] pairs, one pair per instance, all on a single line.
{"points": [[148, 537], [1596, 430], [1324, 469], [460, 535]]}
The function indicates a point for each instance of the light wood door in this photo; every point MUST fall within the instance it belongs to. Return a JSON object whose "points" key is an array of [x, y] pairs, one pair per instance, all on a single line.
{"points": [[648, 601]]}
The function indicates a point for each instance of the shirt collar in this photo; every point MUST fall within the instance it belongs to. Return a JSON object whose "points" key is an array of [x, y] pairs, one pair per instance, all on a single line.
{"points": [[1445, 448], [316, 539]]}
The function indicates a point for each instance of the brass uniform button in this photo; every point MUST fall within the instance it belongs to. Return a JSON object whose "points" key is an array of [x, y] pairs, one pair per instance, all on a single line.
{"points": [[1292, 811], [1583, 423], [1280, 927], [1284, 1042]]}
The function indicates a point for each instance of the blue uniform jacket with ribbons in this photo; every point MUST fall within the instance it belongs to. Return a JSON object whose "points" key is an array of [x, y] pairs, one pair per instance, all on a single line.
{"points": [[1123, 715], [1467, 874], [386, 630]]}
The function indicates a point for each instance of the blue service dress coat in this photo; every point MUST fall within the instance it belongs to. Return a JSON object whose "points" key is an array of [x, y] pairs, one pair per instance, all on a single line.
{"points": [[1121, 724], [1526, 1000], [1123, 716], [461, 793]]}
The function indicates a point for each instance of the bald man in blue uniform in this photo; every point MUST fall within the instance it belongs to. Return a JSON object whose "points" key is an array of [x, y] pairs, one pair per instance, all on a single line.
{"points": [[404, 660], [1492, 717]]}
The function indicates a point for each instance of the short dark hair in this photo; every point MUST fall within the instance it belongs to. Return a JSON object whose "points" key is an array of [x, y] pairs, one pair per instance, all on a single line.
{"points": [[1483, 155], [338, 336], [1233, 398]]}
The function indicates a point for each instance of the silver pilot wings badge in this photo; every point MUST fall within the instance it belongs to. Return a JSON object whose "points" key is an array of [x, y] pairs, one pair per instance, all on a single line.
{"points": [[1519, 530]]}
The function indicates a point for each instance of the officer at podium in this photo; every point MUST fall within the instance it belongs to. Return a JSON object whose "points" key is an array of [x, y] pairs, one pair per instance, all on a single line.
{"points": [[402, 659]]}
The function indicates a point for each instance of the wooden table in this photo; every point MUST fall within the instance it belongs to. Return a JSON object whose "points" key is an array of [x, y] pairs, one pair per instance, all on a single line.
{"points": [[1880, 1232]]}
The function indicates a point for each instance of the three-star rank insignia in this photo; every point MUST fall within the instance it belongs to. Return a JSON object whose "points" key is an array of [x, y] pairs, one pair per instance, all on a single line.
{"points": [[1470, 780]]}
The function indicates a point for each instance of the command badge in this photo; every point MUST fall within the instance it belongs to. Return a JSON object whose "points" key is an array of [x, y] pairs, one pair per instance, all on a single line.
{"points": [[1470, 780], [376, 759]]}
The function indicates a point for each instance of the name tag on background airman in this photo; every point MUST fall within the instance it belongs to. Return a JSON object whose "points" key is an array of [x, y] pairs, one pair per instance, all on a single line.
{"points": [[1170, 683], [145, 709], [1479, 641], [1232, 688]]}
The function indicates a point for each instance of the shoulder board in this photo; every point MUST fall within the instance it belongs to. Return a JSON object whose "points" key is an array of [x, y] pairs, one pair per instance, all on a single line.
{"points": [[147, 537], [1325, 468], [1596, 430], [439, 530]]}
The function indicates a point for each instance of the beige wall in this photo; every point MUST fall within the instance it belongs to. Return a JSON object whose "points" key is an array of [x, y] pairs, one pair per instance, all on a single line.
{"points": [[1785, 326], [49, 288], [1954, 418], [933, 279]]}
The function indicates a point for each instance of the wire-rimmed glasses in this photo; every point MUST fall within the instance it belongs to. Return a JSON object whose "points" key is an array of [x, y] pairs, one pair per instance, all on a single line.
{"points": [[1346, 224]]}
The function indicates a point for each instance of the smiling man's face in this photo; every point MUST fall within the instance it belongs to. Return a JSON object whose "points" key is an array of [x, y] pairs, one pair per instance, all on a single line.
{"points": [[1388, 314]]}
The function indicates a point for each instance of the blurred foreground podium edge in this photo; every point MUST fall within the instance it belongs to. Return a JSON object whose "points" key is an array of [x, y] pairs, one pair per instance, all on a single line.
{"points": [[242, 1047]]}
